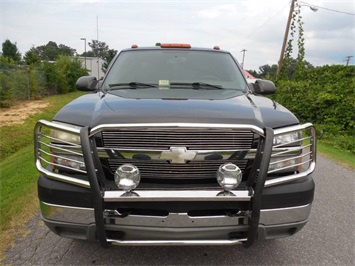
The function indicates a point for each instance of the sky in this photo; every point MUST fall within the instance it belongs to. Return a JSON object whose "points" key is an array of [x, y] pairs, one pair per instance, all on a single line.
{"points": [[255, 25]]}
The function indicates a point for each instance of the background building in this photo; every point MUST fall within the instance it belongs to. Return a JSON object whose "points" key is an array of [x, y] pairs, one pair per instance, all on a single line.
{"points": [[93, 66]]}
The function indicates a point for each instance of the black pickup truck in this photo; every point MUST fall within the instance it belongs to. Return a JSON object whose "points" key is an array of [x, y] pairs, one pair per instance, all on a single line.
{"points": [[175, 147]]}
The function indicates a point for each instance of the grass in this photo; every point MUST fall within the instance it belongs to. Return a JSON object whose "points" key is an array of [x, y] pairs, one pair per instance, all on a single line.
{"points": [[344, 157], [18, 195], [18, 174], [15, 137]]}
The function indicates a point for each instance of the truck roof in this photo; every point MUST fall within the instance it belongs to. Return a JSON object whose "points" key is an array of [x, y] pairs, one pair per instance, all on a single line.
{"points": [[175, 46]]}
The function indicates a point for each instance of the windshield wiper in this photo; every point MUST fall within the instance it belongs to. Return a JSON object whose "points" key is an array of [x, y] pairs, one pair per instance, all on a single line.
{"points": [[198, 85], [131, 85]]}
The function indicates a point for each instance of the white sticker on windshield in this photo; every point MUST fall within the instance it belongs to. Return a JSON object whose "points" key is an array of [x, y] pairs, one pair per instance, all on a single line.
{"points": [[164, 84]]}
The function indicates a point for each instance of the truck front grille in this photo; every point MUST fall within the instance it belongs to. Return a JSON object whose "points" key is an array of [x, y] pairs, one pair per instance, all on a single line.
{"points": [[207, 139], [123, 146]]}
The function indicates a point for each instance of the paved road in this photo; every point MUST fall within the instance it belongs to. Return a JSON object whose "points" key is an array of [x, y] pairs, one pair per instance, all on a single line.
{"points": [[328, 238]]}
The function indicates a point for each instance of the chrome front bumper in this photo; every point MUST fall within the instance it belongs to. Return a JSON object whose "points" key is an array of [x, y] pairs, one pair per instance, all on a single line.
{"points": [[76, 222]]}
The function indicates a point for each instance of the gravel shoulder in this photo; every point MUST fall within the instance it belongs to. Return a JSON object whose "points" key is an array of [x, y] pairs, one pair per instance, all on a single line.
{"points": [[18, 113]]}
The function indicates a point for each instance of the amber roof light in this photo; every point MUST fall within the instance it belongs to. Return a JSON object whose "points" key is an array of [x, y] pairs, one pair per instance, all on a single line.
{"points": [[175, 45]]}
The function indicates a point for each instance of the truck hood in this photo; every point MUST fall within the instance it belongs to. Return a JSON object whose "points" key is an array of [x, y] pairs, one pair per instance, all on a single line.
{"points": [[96, 109]]}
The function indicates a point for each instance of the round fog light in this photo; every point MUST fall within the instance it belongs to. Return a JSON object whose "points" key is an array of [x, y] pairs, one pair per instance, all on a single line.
{"points": [[229, 176], [127, 177]]}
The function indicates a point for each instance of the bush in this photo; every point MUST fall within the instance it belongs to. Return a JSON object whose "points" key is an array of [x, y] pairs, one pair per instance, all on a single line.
{"points": [[325, 96], [6, 91], [67, 71], [21, 82]]}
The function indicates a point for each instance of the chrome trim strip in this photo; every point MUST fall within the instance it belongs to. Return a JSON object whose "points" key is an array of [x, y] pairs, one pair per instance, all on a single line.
{"points": [[62, 166], [176, 242], [61, 148], [200, 154], [291, 129], [289, 178], [61, 126], [175, 220], [285, 215], [63, 178], [103, 127], [156, 154], [288, 167], [289, 158], [176, 195], [67, 214]]}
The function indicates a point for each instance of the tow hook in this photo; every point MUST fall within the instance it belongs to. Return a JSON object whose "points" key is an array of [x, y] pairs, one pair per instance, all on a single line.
{"points": [[115, 213]]}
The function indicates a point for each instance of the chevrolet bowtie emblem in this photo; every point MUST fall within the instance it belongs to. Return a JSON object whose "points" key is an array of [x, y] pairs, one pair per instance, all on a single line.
{"points": [[178, 155]]}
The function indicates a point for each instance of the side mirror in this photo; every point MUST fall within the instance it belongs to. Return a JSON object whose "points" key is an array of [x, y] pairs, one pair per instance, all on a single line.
{"points": [[263, 87], [87, 83]]}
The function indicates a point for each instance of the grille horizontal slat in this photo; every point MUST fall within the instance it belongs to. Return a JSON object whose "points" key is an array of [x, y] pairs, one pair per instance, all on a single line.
{"points": [[191, 139]]}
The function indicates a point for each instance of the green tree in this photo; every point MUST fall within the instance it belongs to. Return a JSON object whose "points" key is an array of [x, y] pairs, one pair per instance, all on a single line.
{"points": [[31, 57], [51, 51], [66, 50], [111, 53], [267, 71], [10, 51], [99, 48], [102, 50], [88, 54]]}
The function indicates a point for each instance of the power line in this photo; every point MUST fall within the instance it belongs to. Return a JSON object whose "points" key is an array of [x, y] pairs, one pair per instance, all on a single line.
{"points": [[266, 21], [329, 9]]}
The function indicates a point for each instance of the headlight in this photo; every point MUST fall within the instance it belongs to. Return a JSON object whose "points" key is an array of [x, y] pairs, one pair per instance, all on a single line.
{"points": [[64, 136], [285, 156], [283, 165], [65, 149], [229, 176], [127, 177], [69, 161], [289, 138]]}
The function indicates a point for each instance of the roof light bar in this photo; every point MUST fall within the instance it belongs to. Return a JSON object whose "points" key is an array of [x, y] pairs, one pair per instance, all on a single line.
{"points": [[175, 45]]}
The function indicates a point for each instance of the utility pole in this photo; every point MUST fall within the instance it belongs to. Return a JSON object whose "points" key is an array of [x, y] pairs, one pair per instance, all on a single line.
{"points": [[243, 51], [84, 39], [285, 37], [347, 59], [98, 58]]}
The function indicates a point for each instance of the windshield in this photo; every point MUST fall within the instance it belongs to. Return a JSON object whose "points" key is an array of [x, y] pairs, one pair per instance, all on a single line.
{"points": [[175, 69]]}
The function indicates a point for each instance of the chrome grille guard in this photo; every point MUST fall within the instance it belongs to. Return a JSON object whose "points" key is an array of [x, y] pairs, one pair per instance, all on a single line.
{"points": [[96, 179]]}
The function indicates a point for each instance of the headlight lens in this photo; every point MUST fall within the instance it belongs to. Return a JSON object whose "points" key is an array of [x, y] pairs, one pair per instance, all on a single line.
{"points": [[289, 138], [65, 149], [286, 152], [229, 176], [283, 164], [65, 136], [69, 161]]}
